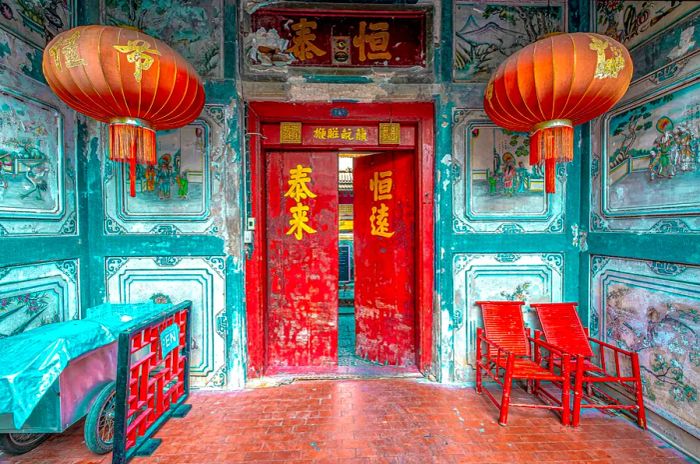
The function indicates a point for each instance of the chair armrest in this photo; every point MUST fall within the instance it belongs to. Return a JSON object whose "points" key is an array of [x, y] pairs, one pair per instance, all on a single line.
{"points": [[611, 347], [549, 347]]}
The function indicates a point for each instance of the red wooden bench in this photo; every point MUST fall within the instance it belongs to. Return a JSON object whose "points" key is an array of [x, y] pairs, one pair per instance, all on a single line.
{"points": [[563, 329], [505, 352]]}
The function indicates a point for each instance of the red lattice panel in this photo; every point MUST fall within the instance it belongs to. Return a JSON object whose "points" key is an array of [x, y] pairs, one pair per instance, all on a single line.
{"points": [[155, 382]]}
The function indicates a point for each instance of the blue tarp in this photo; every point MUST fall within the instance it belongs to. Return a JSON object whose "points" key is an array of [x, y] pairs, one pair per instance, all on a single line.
{"points": [[32, 361]]}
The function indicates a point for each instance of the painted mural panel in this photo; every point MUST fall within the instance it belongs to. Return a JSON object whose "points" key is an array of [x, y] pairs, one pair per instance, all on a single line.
{"points": [[653, 308], [652, 154], [173, 279], [37, 160], [37, 22], [645, 162], [174, 196], [15, 54], [495, 189], [193, 28], [634, 22], [32, 295], [486, 34], [507, 276]]}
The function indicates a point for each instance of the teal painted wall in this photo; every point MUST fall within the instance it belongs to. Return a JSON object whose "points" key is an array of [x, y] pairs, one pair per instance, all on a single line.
{"points": [[42, 221], [610, 237]]}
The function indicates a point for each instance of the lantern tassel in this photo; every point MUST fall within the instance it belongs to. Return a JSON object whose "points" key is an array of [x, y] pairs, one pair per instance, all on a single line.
{"points": [[550, 143], [133, 144]]}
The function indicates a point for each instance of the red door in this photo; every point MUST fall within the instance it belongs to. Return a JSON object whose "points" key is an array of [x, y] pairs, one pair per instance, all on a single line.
{"points": [[384, 258], [302, 256]]}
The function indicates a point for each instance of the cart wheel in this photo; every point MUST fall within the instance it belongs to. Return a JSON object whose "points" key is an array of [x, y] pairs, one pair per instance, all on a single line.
{"points": [[20, 443], [99, 425]]}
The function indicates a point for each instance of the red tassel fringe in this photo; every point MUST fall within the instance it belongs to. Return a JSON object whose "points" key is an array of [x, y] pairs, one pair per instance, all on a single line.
{"points": [[550, 146], [134, 145]]}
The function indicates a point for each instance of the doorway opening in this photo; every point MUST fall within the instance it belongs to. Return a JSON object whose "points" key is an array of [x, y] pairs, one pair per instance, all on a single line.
{"points": [[340, 265]]}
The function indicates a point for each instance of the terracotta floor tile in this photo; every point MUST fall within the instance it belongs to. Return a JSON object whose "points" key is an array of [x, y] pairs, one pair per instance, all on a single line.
{"points": [[371, 421]]}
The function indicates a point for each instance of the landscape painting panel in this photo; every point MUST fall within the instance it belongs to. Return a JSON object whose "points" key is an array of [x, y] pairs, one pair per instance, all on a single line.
{"points": [[652, 154], [485, 35]]}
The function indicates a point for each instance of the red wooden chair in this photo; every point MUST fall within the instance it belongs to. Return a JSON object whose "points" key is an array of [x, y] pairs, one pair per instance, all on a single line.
{"points": [[563, 329], [508, 353]]}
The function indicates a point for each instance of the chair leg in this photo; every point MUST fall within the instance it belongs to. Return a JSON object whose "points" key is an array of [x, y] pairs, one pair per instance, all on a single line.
{"points": [[565, 390], [641, 413], [578, 392], [478, 377], [507, 386]]}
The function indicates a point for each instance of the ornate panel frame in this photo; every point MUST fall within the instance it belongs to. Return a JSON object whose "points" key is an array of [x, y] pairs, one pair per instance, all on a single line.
{"points": [[35, 294], [465, 220], [674, 219], [652, 307], [120, 220], [170, 278], [528, 276], [24, 164]]}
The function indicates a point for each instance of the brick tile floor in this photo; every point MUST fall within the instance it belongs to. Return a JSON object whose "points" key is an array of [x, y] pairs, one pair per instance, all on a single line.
{"points": [[372, 421]]}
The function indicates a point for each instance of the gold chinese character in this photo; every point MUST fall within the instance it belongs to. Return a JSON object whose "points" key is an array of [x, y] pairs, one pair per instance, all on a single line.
{"points": [[300, 217], [346, 134], [320, 133], [361, 134], [298, 190], [381, 184], [304, 47], [138, 53], [379, 221], [333, 133], [69, 49], [378, 41]]}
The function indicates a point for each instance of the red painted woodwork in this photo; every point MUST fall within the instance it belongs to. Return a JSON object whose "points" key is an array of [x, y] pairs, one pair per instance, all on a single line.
{"points": [[419, 115], [337, 38], [271, 132], [504, 352], [385, 265], [562, 328], [302, 273], [155, 381]]}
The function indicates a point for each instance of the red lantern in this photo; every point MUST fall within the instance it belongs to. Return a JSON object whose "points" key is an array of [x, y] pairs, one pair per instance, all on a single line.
{"points": [[132, 81], [551, 85]]}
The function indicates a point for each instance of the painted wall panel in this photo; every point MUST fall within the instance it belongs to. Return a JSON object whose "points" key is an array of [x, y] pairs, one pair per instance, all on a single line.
{"points": [[193, 28], [645, 161], [653, 308], [35, 294], [494, 187], [173, 279], [505, 276], [37, 22], [37, 160], [485, 35], [18, 55], [177, 194], [634, 23]]}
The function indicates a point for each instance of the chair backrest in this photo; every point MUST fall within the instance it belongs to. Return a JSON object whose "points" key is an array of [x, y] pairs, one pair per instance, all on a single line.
{"points": [[562, 327], [503, 325]]}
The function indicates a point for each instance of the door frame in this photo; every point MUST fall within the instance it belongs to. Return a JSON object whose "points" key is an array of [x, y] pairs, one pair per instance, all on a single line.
{"points": [[420, 115]]}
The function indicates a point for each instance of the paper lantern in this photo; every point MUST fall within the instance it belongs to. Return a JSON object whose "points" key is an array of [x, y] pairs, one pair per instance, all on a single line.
{"points": [[551, 85], [132, 81]]}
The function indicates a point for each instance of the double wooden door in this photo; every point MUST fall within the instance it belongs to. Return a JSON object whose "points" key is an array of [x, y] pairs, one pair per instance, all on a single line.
{"points": [[302, 259]]}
